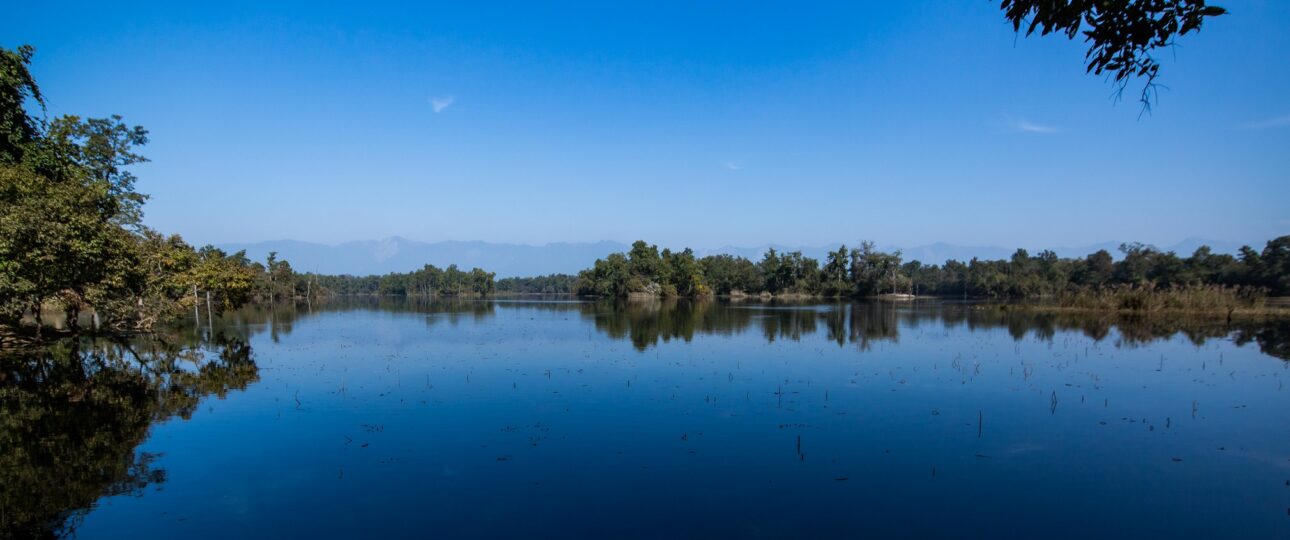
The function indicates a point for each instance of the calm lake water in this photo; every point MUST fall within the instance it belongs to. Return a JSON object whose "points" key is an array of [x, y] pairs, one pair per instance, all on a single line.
{"points": [[397, 418]]}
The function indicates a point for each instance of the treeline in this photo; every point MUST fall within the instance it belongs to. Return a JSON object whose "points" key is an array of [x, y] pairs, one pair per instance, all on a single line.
{"points": [[865, 271], [549, 284], [432, 281], [428, 281], [1141, 266]]}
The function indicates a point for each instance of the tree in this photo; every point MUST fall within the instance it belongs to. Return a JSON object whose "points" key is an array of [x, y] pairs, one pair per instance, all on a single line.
{"points": [[64, 200], [1274, 265], [151, 288], [685, 274], [772, 271], [481, 282], [835, 277], [101, 149], [1136, 265], [1122, 34], [798, 274], [57, 241], [873, 271], [725, 274], [607, 277], [549, 284], [229, 278], [1095, 270], [17, 128], [644, 261]]}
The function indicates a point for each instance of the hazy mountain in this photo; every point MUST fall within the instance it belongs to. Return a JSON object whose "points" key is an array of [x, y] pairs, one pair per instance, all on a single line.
{"points": [[402, 255]]}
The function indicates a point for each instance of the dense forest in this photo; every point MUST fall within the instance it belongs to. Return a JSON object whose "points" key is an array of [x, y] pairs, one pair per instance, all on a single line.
{"points": [[428, 281], [549, 284], [865, 271], [432, 281]]}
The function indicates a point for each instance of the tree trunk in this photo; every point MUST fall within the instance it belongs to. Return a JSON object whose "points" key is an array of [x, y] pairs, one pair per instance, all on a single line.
{"points": [[73, 312], [35, 311]]}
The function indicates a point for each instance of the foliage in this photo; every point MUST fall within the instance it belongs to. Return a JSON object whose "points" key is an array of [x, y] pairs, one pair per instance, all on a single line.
{"points": [[874, 272], [550, 284], [644, 271], [1122, 34], [428, 281], [57, 240], [17, 128], [608, 277], [100, 149], [726, 274]]}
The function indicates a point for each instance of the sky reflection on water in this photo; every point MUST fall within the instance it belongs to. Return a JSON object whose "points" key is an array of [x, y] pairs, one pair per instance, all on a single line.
{"points": [[516, 418]]}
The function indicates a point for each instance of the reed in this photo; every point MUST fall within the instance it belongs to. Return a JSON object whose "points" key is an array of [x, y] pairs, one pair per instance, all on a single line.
{"points": [[1207, 299]]}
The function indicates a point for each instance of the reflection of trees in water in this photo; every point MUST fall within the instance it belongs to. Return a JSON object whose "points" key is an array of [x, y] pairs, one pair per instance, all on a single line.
{"points": [[864, 323], [787, 323], [1272, 339], [872, 321], [279, 319], [72, 414], [453, 311], [646, 323]]}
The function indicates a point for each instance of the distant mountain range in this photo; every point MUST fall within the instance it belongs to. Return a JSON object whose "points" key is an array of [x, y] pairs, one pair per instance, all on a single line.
{"points": [[507, 260]]}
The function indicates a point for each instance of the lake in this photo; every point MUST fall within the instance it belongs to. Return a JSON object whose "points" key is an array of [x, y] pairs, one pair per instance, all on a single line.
{"points": [[510, 418]]}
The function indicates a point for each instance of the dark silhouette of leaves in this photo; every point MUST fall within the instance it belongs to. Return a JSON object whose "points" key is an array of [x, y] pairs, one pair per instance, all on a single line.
{"points": [[1122, 34]]}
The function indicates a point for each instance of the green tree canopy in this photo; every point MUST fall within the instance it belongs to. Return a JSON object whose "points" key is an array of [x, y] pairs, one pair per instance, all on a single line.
{"points": [[17, 128]]}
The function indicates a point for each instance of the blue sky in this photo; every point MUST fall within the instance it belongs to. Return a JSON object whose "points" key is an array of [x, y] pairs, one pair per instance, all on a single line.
{"points": [[730, 123]]}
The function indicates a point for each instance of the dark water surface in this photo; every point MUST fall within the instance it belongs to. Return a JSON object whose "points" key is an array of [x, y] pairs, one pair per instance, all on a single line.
{"points": [[398, 418]]}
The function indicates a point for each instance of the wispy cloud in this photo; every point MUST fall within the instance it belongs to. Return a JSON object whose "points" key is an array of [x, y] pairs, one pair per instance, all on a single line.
{"points": [[1025, 126], [1280, 121], [733, 165], [440, 103]]}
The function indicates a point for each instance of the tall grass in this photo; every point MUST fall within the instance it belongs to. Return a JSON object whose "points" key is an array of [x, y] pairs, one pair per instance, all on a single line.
{"points": [[1151, 299]]}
